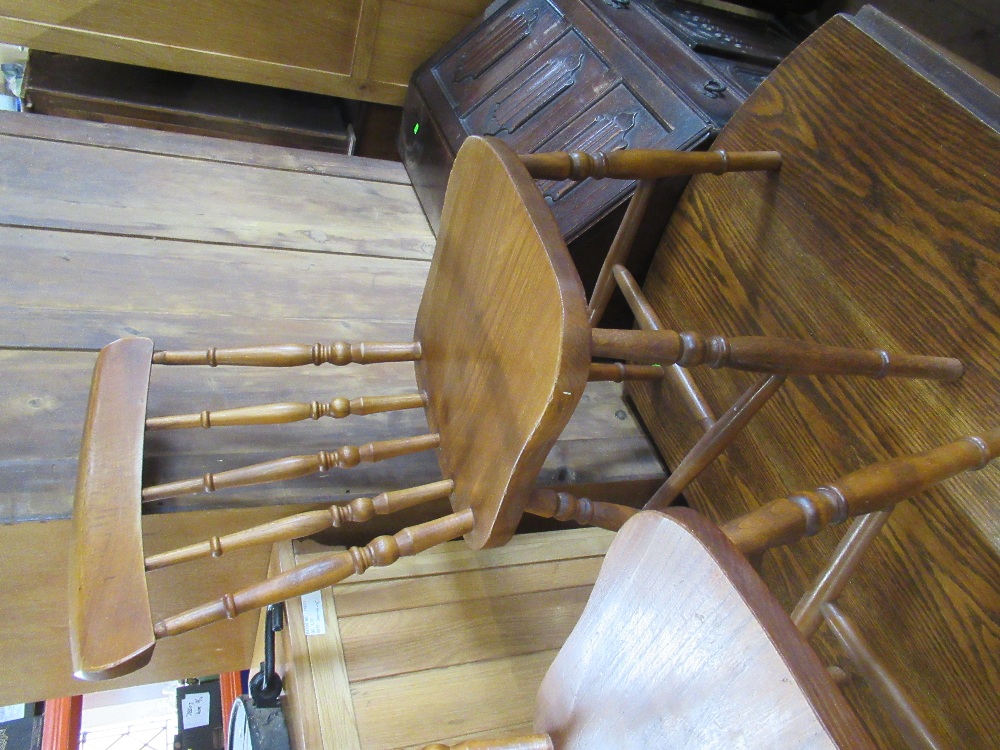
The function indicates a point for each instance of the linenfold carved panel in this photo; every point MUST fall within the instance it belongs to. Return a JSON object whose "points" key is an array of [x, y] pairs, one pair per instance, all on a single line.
{"points": [[510, 32], [539, 90], [496, 51], [604, 133]]}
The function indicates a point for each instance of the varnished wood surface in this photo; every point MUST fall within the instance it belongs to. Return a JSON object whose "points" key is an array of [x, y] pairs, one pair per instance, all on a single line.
{"points": [[69, 288], [368, 51], [644, 164], [867, 490], [882, 228], [449, 645], [504, 337], [106, 564], [681, 645], [320, 573]]}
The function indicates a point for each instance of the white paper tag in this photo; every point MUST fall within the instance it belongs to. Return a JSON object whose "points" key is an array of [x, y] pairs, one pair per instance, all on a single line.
{"points": [[313, 616], [11, 713], [194, 710]]}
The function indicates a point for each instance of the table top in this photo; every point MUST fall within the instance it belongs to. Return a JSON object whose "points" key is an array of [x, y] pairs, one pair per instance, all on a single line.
{"points": [[882, 229]]}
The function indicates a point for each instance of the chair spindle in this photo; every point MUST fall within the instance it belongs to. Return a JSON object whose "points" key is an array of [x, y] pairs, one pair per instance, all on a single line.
{"points": [[286, 412], [619, 372], [767, 354], [320, 573], [866, 490], [841, 566], [715, 440], [649, 321], [359, 510], [565, 507], [294, 355], [619, 251], [890, 694], [645, 164], [293, 467]]}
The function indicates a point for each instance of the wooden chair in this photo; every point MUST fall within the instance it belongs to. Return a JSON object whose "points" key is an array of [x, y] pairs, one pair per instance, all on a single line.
{"points": [[682, 645], [503, 349]]}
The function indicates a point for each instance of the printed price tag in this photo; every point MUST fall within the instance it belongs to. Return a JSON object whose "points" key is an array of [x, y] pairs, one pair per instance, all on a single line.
{"points": [[11, 713], [313, 616], [194, 710]]}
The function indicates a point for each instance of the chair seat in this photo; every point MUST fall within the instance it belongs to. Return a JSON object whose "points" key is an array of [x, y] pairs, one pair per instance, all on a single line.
{"points": [[682, 646]]}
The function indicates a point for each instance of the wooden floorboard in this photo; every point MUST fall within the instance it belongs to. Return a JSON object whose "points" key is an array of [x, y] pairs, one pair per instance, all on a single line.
{"points": [[144, 140], [461, 654]]}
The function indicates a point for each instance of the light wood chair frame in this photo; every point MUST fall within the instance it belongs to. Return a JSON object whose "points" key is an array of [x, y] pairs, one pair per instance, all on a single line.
{"points": [[482, 307]]}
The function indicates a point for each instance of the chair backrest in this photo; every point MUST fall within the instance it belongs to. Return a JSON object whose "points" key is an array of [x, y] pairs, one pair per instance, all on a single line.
{"points": [[682, 645], [504, 337], [503, 351]]}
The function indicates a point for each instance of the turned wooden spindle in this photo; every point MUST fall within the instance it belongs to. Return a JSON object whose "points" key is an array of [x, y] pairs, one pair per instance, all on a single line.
{"points": [[521, 742], [565, 507], [767, 354], [621, 246], [294, 355], [320, 573], [293, 467], [647, 319], [359, 510], [872, 488], [283, 413], [715, 440], [618, 372], [642, 164]]}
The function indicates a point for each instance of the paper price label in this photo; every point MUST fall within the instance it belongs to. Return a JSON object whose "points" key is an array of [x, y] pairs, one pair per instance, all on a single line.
{"points": [[194, 710], [313, 616]]}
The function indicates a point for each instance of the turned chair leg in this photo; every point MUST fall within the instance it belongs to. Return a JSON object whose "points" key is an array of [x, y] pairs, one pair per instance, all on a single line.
{"points": [[648, 321], [767, 354]]}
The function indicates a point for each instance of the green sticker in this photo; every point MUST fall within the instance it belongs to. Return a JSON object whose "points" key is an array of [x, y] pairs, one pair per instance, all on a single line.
{"points": [[416, 128]]}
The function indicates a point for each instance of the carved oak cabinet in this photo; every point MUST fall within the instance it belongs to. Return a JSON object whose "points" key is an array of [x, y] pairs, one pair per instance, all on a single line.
{"points": [[557, 75]]}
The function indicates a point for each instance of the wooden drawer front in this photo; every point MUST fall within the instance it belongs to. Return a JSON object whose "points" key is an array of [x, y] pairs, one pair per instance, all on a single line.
{"points": [[615, 122], [553, 89], [495, 52]]}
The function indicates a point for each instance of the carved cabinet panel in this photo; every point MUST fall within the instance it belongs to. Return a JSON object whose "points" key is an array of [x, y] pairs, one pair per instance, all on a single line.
{"points": [[547, 75]]}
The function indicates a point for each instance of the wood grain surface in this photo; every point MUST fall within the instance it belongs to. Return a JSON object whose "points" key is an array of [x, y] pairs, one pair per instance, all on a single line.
{"points": [[368, 50], [881, 229], [730, 668], [504, 336], [69, 288], [110, 621], [449, 645]]}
